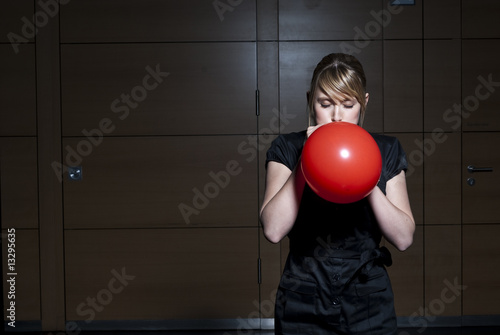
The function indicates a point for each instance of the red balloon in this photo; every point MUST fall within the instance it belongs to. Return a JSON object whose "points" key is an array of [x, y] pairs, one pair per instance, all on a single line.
{"points": [[341, 162]]}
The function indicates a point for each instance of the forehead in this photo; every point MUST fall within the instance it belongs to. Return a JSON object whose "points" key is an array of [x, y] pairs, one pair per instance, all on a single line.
{"points": [[334, 95]]}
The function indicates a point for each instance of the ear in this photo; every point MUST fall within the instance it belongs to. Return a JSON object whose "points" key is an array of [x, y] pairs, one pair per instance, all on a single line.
{"points": [[367, 97]]}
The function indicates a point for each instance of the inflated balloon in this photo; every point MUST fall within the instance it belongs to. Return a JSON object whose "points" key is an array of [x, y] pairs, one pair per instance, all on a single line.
{"points": [[341, 162]]}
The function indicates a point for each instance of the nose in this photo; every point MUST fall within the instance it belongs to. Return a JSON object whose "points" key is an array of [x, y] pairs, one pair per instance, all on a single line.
{"points": [[337, 114]]}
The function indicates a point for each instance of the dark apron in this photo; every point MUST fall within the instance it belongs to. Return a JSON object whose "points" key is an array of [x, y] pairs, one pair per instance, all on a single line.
{"points": [[335, 281]]}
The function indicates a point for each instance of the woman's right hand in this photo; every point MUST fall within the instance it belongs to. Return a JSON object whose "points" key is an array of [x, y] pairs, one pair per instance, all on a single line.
{"points": [[311, 129]]}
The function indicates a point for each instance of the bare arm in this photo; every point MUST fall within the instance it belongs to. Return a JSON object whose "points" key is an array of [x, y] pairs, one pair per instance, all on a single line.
{"points": [[393, 212], [281, 200]]}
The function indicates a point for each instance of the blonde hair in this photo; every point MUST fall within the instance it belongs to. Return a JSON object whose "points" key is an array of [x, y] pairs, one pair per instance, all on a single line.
{"points": [[339, 74]]}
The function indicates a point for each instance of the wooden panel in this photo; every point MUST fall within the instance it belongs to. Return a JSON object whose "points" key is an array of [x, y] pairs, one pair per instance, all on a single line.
{"points": [[442, 176], [403, 86], [480, 19], [480, 270], [13, 26], [297, 63], [267, 20], [19, 182], [268, 83], [17, 91], [443, 270], [157, 21], [26, 289], [480, 83], [442, 89], [158, 182], [157, 89], [480, 201], [414, 175], [161, 274], [407, 276], [48, 93], [442, 19], [405, 23], [329, 20]]}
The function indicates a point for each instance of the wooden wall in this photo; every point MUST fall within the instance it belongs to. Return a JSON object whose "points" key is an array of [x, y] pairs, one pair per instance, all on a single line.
{"points": [[157, 102]]}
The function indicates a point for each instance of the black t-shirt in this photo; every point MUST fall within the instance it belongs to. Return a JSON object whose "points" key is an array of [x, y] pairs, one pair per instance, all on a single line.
{"points": [[345, 225]]}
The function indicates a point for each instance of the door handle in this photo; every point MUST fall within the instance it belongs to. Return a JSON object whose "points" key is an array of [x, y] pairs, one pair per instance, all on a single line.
{"points": [[472, 169]]}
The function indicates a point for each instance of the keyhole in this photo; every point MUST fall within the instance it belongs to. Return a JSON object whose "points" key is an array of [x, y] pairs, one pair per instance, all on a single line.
{"points": [[75, 173]]}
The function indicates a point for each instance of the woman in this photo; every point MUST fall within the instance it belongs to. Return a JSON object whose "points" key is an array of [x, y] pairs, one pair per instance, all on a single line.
{"points": [[334, 281]]}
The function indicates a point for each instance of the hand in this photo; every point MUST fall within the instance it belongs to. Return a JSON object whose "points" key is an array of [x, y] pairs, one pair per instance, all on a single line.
{"points": [[311, 130]]}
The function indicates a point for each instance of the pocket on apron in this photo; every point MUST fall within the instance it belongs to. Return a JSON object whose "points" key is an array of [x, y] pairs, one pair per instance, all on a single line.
{"points": [[298, 298], [374, 294], [373, 284]]}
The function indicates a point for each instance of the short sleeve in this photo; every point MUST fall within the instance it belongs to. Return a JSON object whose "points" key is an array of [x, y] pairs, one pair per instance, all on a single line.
{"points": [[393, 155], [286, 149], [393, 158], [396, 159]]}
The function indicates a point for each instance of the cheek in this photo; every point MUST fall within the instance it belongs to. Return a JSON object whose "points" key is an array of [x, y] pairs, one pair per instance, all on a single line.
{"points": [[322, 118], [320, 113], [356, 113], [353, 116]]}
